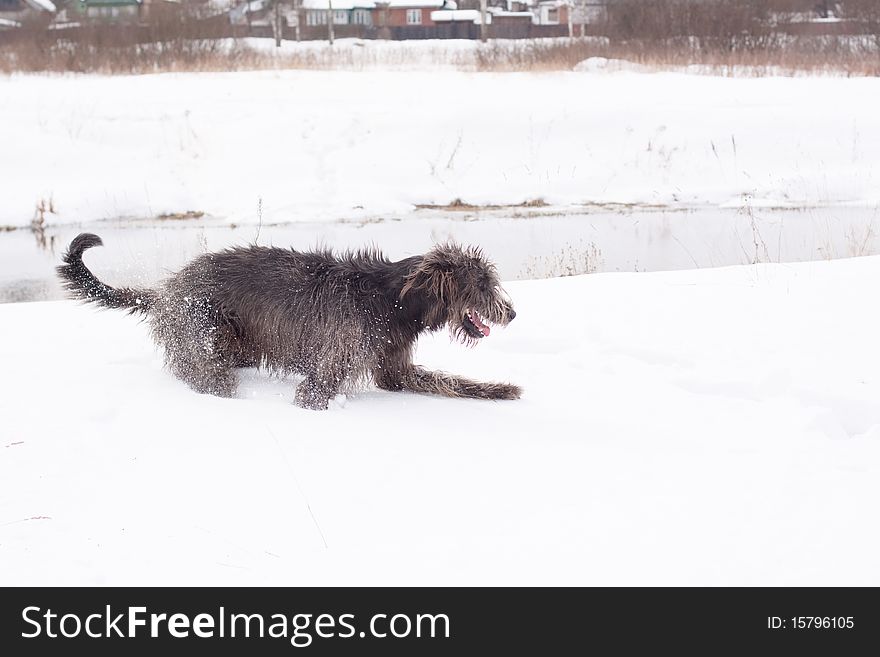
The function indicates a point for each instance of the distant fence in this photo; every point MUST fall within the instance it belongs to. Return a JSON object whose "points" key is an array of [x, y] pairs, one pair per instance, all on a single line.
{"points": [[122, 33], [450, 30]]}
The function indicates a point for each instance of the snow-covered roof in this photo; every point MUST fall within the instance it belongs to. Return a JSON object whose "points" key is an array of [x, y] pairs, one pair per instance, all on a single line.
{"points": [[520, 14], [415, 3], [44, 5], [338, 4], [458, 15], [238, 14]]}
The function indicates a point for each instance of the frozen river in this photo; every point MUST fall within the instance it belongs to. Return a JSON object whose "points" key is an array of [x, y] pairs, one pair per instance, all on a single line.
{"points": [[525, 244]]}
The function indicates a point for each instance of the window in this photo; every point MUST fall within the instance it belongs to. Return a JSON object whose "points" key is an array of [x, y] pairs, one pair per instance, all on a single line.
{"points": [[316, 18], [413, 16], [340, 17], [361, 17], [552, 15]]}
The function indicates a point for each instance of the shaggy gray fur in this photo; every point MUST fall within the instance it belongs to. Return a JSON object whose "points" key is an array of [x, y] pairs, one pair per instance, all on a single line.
{"points": [[336, 320]]}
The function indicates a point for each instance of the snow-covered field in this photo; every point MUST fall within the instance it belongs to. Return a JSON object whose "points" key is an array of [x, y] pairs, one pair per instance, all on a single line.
{"points": [[698, 427], [304, 145], [716, 426]]}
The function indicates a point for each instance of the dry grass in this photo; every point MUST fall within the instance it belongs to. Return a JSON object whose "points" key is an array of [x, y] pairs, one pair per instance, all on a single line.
{"points": [[572, 260], [119, 49], [790, 55], [735, 37], [457, 205]]}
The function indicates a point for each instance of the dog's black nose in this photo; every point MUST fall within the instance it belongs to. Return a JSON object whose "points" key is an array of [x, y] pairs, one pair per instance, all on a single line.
{"points": [[512, 314]]}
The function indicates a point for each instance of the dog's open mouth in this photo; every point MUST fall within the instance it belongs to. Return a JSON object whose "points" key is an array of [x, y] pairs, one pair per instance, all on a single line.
{"points": [[474, 325]]}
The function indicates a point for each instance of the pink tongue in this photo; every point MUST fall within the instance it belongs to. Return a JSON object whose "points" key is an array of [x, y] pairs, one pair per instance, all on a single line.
{"points": [[485, 330]]}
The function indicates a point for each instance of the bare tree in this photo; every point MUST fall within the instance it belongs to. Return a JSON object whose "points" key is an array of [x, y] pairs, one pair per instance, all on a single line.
{"points": [[484, 30], [569, 7], [867, 14], [330, 21]]}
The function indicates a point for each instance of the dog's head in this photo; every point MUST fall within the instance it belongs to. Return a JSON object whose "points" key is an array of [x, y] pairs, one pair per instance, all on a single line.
{"points": [[462, 289]]}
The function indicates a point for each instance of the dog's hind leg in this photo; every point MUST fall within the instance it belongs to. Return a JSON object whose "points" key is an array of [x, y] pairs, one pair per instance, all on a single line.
{"points": [[315, 392], [210, 375], [196, 349]]}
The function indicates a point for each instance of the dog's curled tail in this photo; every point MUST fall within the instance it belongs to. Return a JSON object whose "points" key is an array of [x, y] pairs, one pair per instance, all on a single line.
{"points": [[82, 284]]}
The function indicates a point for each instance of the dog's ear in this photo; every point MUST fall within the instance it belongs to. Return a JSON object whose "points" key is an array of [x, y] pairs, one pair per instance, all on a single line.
{"points": [[436, 273]]}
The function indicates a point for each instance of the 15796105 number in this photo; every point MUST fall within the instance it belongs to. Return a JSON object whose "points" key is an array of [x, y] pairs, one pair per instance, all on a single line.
{"points": [[811, 623], [821, 622]]}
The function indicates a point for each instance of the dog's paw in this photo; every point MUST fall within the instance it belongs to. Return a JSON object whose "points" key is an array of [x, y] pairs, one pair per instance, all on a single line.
{"points": [[506, 391], [309, 400]]}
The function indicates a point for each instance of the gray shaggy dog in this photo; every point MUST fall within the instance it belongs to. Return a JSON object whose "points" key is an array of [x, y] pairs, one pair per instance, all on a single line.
{"points": [[336, 320]]}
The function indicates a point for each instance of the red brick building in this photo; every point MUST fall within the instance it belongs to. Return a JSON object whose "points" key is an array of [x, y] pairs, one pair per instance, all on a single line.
{"points": [[406, 13]]}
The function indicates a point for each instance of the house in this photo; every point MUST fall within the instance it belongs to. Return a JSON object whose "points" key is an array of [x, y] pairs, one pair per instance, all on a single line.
{"points": [[251, 12], [368, 13], [345, 12], [552, 12], [408, 13], [512, 19], [121, 10], [15, 12], [588, 12], [459, 16]]}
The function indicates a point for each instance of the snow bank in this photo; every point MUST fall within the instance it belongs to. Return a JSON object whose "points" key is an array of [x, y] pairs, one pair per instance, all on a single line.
{"points": [[324, 145], [703, 427], [606, 65]]}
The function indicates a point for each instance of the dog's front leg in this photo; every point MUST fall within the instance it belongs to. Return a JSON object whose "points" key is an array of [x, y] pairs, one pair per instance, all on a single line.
{"points": [[418, 379]]}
